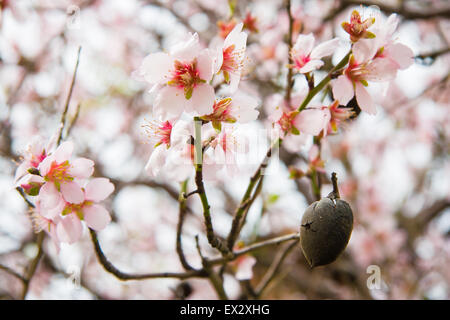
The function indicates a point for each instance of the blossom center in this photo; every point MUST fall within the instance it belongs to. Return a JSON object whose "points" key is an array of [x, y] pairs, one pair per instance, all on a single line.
{"points": [[186, 76], [301, 60], [59, 172], [160, 132]]}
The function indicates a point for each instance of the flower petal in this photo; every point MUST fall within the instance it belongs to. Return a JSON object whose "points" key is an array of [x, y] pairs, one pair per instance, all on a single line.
{"points": [[325, 49], [311, 65], [64, 151], [205, 65], [303, 45], [96, 217], [364, 99], [49, 197], [244, 107], [156, 67], [401, 54], [312, 121], [98, 189], [69, 229], [170, 101], [245, 268], [342, 89], [81, 168], [72, 192], [202, 100]]}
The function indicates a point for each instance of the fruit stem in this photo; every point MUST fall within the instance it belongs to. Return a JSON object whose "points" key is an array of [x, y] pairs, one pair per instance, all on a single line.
{"points": [[335, 193]]}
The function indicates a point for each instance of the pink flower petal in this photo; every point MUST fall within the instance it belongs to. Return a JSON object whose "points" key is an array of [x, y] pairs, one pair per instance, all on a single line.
{"points": [[202, 100], [244, 107], [49, 197], [236, 37], [364, 99], [186, 50], [324, 49], [72, 192], [81, 168], [45, 165], [156, 161], [401, 54], [245, 268], [312, 121], [170, 101], [98, 189], [303, 45], [156, 67], [205, 65], [364, 50], [69, 229], [64, 151], [342, 89], [311, 65], [96, 217]]}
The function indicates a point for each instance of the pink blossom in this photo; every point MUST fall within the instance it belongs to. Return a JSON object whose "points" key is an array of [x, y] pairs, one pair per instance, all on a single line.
{"points": [[243, 267], [41, 222], [171, 147], [181, 79], [306, 58], [239, 108], [376, 59], [313, 120], [357, 28], [60, 174], [230, 56], [96, 217]]}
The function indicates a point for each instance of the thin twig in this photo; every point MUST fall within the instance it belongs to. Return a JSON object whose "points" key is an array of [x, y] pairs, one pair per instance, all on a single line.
{"points": [[13, 273], [182, 214], [289, 80], [234, 232], [255, 246], [214, 278], [109, 267], [73, 121], [69, 96], [324, 82], [273, 270], [33, 265], [213, 240]]}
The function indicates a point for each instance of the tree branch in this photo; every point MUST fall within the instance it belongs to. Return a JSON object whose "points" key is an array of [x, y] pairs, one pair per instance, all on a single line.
{"points": [[109, 267], [182, 214]]}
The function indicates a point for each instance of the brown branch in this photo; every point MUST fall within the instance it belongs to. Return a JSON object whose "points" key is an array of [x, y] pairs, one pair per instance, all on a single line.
{"points": [[214, 278], [182, 214], [213, 240], [13, 273], [401, 10], [33, 265], [274, 268], [234, 232], [69, 96], [109, 267], [289, 79]]}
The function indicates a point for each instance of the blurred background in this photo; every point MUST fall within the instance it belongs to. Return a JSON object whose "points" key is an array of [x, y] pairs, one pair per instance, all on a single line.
{"points": [[393, 168]]}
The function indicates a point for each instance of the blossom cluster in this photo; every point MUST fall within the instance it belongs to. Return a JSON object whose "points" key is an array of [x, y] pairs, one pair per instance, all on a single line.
{"points": [[64, 194], [375, 56], [184, 83]]}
